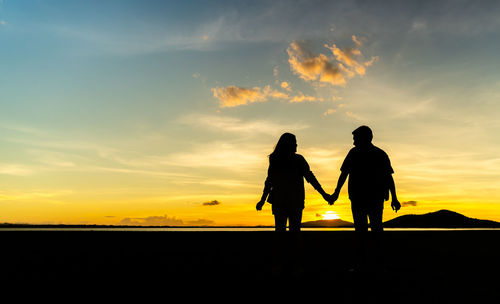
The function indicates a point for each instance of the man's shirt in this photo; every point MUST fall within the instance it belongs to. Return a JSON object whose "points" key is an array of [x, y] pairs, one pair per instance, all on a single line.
{"points": [[369, 169]]}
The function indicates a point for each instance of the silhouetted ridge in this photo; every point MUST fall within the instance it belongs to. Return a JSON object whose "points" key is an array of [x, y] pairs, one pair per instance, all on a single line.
{"points": [[439, 219]]}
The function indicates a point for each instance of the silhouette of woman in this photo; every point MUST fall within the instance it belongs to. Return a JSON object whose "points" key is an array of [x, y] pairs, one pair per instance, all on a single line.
{"points": [[284, 185], [284, 190]]}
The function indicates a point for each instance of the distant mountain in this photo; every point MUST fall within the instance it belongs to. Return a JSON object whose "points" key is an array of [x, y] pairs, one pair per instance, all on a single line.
{"points": [[327, 223], [439, 219]]}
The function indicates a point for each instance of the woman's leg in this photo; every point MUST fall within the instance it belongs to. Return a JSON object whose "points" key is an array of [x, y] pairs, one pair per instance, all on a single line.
{"points": [[295, 243], [295, 221], [279, 243], [280, 222]]}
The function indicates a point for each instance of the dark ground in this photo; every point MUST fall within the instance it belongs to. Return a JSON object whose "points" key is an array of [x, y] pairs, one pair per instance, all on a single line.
{"points": [[420, 266]]}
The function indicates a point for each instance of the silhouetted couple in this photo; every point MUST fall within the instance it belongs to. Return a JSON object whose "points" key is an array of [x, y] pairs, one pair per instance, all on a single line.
{"points": [[370, 181]]}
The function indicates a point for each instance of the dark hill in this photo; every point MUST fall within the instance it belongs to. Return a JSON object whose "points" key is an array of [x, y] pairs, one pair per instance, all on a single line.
{"points": [[327, 223], [439, 219]]}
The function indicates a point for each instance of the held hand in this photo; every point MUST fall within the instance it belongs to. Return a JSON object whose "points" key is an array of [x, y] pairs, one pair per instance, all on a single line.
{"points": [[326, 197], [333, 198], [395, 205], [259, 205]]}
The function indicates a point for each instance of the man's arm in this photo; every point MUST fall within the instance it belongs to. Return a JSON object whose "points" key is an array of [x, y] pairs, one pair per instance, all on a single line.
{"points": [[340, 183], [392, 188]]}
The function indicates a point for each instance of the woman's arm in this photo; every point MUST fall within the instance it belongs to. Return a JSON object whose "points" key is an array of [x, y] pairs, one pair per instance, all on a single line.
{"points": [[265, 193], [311, 179]]}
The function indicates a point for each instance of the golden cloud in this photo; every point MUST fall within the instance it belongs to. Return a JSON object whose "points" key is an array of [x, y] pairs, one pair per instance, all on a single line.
{"points": [[232, 96], [285, 85], [345, 63], [329, 112], [350, 59], [302, 98], [312, 67], [357, 41]]}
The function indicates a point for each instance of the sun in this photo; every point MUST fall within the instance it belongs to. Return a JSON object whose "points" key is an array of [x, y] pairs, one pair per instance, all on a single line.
{"points": [[330, 215]]}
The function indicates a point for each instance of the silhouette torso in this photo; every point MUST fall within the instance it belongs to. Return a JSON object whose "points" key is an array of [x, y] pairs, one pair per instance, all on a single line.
{"points": [[369, 168]]}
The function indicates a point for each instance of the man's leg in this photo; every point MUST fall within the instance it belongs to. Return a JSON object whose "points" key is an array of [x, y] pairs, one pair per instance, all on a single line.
{"points": [[360, 218], [377, 230]]}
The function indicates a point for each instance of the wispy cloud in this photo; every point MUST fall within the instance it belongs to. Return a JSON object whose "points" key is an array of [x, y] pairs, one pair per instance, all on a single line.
{"points": [[302, 98], [212, 203], [350, 60], [409, 203], [222, 155], [16, 169], [164, 220], [37, 195], [232, 96], [317, 68], [237, 125], [329, 112], [311, 67], [346, 63]]}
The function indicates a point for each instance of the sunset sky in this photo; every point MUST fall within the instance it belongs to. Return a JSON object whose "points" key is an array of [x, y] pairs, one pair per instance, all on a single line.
{"points": [[164, 112]]}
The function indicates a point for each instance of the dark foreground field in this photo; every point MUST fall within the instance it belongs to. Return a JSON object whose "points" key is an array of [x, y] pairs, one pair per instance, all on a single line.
{"points": [[421, 266]]}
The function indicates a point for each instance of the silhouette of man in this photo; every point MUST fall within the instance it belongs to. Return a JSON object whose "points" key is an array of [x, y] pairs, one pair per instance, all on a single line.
{"points": [[370, 181]]}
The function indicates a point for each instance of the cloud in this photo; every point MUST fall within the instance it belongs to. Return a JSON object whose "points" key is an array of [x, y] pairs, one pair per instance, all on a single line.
{"points": [[236, 125], [38, 195], [312, 67], [302, 98], [419, 26], [357, 41], [346, 63], [164, 221], [152, 221], [409, 203], [3, 22], [212, 203], [200, 222], [353, 116], [275, 71], [222, 155], [351, 59], [232, 96], [16, 169], [329, 112]]}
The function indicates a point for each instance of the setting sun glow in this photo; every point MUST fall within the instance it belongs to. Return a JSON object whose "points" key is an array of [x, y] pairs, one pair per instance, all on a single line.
{"points": [[330, 215]]}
